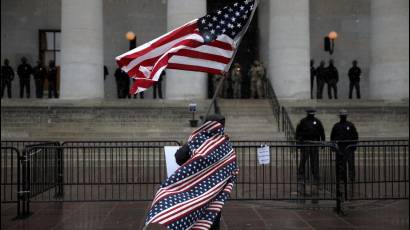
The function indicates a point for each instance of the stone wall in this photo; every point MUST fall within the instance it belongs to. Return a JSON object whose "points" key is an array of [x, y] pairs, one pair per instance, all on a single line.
{"points": [[351, 19]]}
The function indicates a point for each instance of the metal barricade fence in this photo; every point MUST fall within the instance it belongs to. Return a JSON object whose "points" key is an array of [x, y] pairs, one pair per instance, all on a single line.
{"points": [[132, 171], [287, 176], [9, 174], [376, 171]]}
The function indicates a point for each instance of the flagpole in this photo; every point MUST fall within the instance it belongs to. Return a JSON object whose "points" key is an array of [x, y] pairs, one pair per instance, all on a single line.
{"points": [[240, 36]]}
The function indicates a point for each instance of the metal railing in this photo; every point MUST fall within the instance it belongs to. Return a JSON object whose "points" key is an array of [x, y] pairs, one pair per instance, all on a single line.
{"points": [[276, 107], [287, 126], [132, 171], [375, 171], [9, 174]]}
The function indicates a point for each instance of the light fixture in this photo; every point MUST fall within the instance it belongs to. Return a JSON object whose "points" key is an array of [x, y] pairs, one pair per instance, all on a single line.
{"points": [[130, 35], [330, 42]]}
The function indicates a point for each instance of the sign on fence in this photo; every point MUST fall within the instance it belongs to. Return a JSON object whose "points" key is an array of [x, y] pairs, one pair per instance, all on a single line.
{"points": [[172, 165], [264, 155]]}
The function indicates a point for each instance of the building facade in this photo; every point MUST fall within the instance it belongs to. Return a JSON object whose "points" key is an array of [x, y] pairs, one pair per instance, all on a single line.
{"points": [[289, 33]]}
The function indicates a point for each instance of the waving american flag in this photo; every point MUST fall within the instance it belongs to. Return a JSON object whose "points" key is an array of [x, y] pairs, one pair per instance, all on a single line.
{"points": [[207, 44], [194, 195]]}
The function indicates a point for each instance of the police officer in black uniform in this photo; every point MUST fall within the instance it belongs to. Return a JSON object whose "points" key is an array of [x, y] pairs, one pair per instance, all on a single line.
{"points": [[52, 80], [345, 134], [332, 79], [310, 129], [40, 74], [354, 76], [24, 70], [320, 79], [7, 76], [158, 86], [312, 77]]}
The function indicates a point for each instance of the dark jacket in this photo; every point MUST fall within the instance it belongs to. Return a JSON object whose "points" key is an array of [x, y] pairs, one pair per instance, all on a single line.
{"points": [[346, 133], [321, 74], [24, 70], [310, 129], [39, 72], [354, 74], [332, 75], [7, 73]]}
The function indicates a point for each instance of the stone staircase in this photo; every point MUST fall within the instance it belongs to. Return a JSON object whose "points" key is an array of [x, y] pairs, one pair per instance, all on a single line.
{"points": [[62, 120], [373, 119], [250, 120]]}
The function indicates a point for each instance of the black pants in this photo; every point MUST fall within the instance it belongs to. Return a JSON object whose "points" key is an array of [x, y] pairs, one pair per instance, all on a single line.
{"points": [[52, 89], [5, 84], [158, 87], [312, 82], [25, 83], [354, 85], [320, 87], [39, 87], [141, 95], [332, 87], [348, 163], [311, 154]]}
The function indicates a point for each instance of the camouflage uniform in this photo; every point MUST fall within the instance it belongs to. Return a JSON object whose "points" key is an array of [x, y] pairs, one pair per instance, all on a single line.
{"points": [[236, 75], [257, 74]]}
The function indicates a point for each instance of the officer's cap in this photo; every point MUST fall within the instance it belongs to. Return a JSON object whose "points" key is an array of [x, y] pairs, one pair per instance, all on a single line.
{"points": [[343, 113], [311, 111]]}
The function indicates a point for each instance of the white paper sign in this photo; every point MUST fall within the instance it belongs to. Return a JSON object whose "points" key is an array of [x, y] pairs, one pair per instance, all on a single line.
{"points": [[170, 160], [264, 155]]}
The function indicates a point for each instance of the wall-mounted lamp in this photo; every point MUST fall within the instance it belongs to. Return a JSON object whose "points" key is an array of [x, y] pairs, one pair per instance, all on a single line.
{"points": [[330, 42], [132, 38]]}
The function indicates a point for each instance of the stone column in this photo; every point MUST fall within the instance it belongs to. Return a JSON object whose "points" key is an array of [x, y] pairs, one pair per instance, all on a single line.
{"points": [[289, 48], [182, 85], [82, 49], [389, 73]]}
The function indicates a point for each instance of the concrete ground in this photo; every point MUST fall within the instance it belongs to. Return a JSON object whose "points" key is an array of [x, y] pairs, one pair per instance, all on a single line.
{"points": [[237, 215]]}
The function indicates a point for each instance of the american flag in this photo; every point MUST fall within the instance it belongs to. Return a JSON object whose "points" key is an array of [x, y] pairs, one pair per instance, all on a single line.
{"points": [[207, 44], [194, 195]]}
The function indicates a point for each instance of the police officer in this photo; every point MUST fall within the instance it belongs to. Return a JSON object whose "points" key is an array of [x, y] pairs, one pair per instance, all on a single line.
{"points": [[257, 73], [158, 85], [332, 79], [236, 75], [345, 134], [24, 70], [118, 78], [354, 76], [52, 80], [7, 76], [310, 129], [40, 74], [312, 77], [320, 79]]}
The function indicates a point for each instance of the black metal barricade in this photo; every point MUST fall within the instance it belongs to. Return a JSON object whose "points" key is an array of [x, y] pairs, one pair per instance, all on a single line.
{"points": [[9, 174], [375, 171], [108, 171], [133, 170], [283, 178], [40, 170]]}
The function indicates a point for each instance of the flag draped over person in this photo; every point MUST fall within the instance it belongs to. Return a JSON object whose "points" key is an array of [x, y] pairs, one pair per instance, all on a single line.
{"points": [[194, 195], [206, 44]]}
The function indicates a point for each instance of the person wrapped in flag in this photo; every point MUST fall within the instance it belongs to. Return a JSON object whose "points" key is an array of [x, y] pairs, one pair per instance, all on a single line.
{"points": [[207, 44], [193, 197]]}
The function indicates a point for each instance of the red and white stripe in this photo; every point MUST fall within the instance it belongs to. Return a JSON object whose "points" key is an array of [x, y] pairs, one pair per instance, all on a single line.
{"points": [[183, 48], [180, 210]]}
